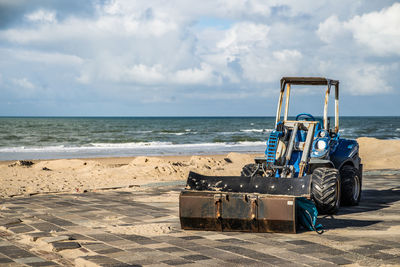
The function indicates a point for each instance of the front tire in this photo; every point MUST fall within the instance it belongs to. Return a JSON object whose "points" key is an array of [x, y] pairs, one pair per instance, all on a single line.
{"points": [[351, 185], [325, 190]]}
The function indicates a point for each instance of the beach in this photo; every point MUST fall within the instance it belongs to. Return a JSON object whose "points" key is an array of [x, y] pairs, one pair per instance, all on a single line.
{"points": [[20, 178]]}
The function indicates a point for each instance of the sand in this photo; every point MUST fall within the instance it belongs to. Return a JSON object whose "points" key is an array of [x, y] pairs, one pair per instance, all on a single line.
{"points": [[79, 175], [379, 154]]}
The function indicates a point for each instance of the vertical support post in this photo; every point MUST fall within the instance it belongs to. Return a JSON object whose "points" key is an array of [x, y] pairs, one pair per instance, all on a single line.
{"points": [[291, 143], [326, 107], [307, 148], [278, 111], [287, 102], [337, 107]]}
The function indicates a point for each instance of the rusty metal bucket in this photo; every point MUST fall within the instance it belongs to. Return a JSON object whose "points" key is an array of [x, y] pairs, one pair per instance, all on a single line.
{"points": [[257, 204]]}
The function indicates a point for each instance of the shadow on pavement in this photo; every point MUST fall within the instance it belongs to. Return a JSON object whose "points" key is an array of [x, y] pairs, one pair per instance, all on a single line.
{"points": [[335, 223], [373, 199]]}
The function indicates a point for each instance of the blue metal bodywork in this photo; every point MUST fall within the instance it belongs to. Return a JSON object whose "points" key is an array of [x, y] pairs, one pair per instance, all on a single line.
{"points": [[337, 152]]}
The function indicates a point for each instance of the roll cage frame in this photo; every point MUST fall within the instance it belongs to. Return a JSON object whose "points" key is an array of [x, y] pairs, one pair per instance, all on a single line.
{"points": [[286, 82]]}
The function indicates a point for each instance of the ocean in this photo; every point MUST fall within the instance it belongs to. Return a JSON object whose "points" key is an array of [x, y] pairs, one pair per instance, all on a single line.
{"points": [[86, 137]]}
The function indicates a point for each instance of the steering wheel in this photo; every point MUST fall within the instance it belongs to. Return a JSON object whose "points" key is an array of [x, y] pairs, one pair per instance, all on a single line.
{"points": [[305, 116]]}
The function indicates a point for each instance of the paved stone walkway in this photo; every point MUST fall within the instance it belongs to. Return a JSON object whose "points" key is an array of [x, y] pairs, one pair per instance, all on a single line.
{"points": [[140, 227]]}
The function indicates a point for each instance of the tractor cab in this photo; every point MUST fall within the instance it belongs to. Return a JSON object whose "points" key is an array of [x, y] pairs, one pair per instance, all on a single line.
{"points": [[294, 142]]}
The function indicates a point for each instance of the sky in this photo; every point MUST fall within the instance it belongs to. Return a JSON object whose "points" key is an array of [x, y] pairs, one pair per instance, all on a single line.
{"points": [[195, 58]]}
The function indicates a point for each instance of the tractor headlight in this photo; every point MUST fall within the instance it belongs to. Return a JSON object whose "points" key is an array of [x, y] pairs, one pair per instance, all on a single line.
{"points": [[321, 144]]}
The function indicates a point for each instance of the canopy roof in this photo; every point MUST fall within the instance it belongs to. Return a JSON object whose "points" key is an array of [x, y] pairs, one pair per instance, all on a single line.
{"points": [[308, 81]]}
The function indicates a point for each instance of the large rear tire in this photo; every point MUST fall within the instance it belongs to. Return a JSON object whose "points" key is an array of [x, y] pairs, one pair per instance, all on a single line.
{"points": [[248, 170], [350, 185], [326, 190]]}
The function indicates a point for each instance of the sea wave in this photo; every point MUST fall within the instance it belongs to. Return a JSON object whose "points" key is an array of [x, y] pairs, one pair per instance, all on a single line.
{"points": [[173, 133], [129, 146], [256, 130]]}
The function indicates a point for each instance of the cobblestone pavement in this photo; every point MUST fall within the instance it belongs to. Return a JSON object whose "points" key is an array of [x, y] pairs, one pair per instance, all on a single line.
{"points": [[140, 227]]}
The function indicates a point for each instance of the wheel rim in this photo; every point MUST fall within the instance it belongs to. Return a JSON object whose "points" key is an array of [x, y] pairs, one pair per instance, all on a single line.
{"points": [[356, 188]]}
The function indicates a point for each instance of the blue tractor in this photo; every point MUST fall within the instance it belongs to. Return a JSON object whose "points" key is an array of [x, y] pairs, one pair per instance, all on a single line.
{"points": [[304, 158]]}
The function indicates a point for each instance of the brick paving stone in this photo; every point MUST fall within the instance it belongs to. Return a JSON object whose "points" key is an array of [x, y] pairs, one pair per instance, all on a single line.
{"points": [[374, 247], [301, 242], [195, 257], [221, 255], [170, 249], [140, 239], [246, 261], [4, 259], [75, 236], [29, 260], [47, 227], [108, 251], [191, 237], [72, 215], [105, 237], [140, 249], [55, 238], [104, 261], [145, 258], [95, 246], [247, 252], [15, 252], [383, 256], [58, 246], [55, 220], [234, 241], [177, 262], [9, 221], [338, 260], [21, 228]]}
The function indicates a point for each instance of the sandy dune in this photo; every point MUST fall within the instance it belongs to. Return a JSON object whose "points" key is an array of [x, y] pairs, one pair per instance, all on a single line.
{"points": [[78, 175], [379, 154]]}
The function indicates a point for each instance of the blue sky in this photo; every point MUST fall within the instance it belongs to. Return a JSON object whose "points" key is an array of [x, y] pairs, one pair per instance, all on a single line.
{"points": [[188, 58]]}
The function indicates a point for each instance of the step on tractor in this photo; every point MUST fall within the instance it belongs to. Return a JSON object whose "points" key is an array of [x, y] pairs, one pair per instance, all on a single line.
{"points": [[305, 158]]}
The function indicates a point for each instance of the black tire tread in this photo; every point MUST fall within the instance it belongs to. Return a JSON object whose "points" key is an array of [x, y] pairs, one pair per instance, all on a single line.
{"points": [[347, 174], [324, 190]]}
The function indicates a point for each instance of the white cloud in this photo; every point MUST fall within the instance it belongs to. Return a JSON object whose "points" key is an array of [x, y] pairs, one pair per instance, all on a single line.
{"points": [[23, 83], [330, 29], [44, 57], [380, 31], [242, 37], [202, 75], [368, 79], [23, 88], [134, 47], [43, 16], [145, 74], [271, 67], [377, 30]]}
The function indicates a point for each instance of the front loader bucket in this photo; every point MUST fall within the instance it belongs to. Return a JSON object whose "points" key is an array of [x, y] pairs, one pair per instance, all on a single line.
{"points": [[229, 203]]}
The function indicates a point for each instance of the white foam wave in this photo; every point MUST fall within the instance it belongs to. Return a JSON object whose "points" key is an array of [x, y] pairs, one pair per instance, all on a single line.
{"points": [[143, 131], [256, 130], [129, 146], [175, 133]]}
